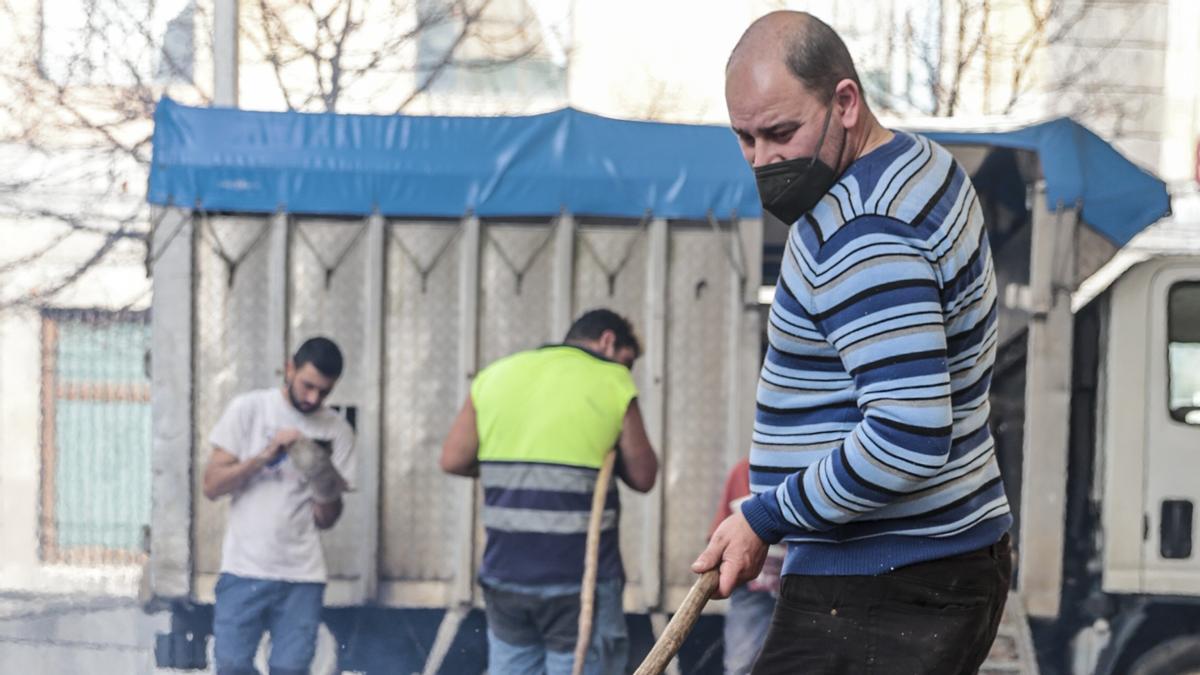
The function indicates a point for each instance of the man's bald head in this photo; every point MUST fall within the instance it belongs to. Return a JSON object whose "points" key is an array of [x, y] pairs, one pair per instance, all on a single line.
{"points": [[813, 52]]}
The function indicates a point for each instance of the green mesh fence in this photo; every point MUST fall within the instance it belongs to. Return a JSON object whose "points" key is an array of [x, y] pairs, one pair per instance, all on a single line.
{"points": [[95, 436]]}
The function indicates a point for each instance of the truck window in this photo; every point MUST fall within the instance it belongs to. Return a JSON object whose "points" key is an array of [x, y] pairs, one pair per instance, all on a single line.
{"points": [[1183, 351]]}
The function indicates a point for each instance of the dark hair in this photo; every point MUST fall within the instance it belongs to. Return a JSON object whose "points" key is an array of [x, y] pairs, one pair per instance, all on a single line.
{"points": [[593, 323], [323, 354], [818, 58]]}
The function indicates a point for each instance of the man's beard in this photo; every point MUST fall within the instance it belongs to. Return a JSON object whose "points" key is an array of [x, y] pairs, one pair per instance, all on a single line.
{"points": [[297, 404]]}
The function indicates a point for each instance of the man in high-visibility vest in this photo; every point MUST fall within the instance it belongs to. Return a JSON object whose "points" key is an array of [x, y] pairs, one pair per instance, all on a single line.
{"points": [[536, 428]]}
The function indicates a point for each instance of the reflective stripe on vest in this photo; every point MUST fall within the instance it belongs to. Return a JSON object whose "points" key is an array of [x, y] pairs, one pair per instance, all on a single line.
{"points": [[525, 476], [546, 522]]}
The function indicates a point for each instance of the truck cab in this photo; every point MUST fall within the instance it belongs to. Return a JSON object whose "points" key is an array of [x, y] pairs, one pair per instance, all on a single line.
{"points": [[1131, 590]]}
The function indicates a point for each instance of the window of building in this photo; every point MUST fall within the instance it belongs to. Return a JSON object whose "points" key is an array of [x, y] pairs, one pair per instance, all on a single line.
{"points": [[514, 49], [95, 437], [117, 42], [1183, 351]]}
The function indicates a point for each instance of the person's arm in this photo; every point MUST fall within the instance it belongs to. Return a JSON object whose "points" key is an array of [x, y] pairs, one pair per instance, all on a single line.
{"points": [[225, 473], [460, 451], [889, 334], [638, 465]]}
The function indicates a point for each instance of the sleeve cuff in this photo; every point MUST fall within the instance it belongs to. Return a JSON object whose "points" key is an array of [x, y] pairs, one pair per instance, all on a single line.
{"points": [[761, 520]]}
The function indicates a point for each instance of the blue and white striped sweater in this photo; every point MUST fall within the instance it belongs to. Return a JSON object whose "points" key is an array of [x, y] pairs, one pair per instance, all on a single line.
{"points": [[871, 449]]}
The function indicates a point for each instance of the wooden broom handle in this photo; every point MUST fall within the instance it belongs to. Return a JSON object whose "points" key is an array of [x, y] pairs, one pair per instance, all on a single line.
{"points": [[668, 644], [587, 592]]}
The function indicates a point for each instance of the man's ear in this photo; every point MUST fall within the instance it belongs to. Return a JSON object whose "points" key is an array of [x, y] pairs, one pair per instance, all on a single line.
{"points": [[608, 342], [848, 102], [289, 370]]}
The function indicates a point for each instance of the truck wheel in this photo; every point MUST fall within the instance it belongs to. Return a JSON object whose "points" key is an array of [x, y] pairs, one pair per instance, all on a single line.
{"points": [[1178, 656]]}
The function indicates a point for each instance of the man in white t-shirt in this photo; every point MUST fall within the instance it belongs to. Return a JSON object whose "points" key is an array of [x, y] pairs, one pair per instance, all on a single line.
{"points": [[284, 458]]}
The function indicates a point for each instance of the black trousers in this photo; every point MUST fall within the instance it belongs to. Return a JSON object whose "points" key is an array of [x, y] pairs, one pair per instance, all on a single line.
{"points": [[933, 618]]}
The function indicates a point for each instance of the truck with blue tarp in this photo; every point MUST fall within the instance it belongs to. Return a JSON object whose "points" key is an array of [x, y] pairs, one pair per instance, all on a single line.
{"points": [[428, 247]]}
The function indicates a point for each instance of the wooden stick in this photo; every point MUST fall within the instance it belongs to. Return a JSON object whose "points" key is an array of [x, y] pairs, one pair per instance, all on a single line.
{"points": [[587, 593], [668, 644], [446, 632]]}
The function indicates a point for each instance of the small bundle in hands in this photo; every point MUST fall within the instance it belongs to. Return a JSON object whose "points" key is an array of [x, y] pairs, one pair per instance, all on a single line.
{"points": [[314, 459]]}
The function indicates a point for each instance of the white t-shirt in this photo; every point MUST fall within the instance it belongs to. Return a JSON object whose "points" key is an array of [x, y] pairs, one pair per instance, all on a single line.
{"points": [[271, 533]]}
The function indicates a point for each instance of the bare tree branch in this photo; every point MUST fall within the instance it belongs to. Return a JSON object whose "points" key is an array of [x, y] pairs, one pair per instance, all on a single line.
{"points": [[964, 51], [335, 61], [96, 100], [447, 58], [39, 296], [33, 257]]}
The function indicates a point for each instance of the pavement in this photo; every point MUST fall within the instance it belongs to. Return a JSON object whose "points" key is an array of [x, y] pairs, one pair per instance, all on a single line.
{"points": [[89, 635], [76, 635]]}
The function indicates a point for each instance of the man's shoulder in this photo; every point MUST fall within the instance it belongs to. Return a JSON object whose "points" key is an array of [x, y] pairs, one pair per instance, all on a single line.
{"points": [[554, 361], [237, 424], [544, 355], [505, 363], [596, 364], [905, 180], [938, 152], [251, 400]]}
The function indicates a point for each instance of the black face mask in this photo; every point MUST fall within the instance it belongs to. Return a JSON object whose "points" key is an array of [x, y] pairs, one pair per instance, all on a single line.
{"points": [[792, 187]]}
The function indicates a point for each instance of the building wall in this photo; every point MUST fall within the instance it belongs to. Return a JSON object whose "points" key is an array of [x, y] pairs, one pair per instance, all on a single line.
{"points": [[1179, 162], [21, 441], [1110, 71], [116, 281]]}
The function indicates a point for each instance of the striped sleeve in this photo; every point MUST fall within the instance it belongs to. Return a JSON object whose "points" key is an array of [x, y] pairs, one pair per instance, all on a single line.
{"points": [[877, 302]]}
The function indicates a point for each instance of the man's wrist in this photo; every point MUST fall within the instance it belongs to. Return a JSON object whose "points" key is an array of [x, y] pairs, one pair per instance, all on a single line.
{"points": [[760, 519], [259, 461]]}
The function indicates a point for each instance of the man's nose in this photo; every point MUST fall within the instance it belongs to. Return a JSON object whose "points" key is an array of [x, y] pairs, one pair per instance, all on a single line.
{"points": [[765, 153]]}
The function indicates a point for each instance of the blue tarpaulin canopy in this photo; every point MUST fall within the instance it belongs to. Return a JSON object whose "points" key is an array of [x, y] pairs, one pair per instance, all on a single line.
{"points": [[224, 159], [1118, 198]]}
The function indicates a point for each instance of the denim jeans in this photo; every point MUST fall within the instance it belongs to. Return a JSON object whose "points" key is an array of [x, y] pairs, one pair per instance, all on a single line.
{"points": [[933, 618], [246, 608], [746, 623], [533, 634]]}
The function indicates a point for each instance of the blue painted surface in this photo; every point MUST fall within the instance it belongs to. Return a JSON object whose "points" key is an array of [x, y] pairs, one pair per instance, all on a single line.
{"points": [[225, 159]]}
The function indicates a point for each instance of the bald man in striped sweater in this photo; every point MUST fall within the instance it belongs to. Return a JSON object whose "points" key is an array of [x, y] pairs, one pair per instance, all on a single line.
{"points": [[871, 454]]}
